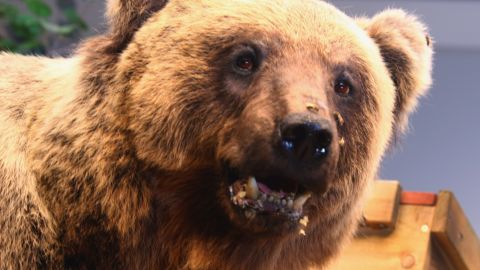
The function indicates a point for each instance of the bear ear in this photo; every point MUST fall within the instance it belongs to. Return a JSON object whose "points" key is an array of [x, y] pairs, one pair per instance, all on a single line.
{"points": [[406, 49], [126, 16]]}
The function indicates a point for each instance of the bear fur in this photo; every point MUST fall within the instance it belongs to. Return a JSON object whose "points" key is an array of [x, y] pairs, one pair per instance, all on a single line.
{"points": [[112, 158]]}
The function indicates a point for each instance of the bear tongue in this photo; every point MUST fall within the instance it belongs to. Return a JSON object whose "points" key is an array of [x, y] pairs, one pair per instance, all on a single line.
{"points": [[265, 189]]}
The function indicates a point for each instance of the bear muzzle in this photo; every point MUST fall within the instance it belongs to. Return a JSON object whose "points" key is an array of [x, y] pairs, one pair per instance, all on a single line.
{"points": [[309, 145], [305, 152]]}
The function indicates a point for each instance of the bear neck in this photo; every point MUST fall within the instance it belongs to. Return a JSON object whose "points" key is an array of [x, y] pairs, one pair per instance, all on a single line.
{"points": [[85, 166]]}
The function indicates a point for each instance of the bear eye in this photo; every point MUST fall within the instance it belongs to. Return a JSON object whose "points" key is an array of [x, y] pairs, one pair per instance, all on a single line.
{"points": [[246, 62], [343, 87]]}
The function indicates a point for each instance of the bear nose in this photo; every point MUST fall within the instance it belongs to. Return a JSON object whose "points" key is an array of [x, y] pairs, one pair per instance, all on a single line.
{"points": [[306, 141]]}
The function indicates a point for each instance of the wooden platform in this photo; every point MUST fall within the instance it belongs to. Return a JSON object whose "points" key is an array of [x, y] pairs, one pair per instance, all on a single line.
{"points": [[411, 230]]}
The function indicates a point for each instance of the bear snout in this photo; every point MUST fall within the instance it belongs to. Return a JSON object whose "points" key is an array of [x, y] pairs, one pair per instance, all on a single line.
{"points": [[309, 147]]}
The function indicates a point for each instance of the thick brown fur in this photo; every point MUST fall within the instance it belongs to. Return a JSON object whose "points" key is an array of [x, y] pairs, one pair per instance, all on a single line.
{"points": [[110, 159]]}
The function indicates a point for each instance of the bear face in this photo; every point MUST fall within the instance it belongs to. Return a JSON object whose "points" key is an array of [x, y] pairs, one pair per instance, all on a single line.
{"points": [[244, 78]]}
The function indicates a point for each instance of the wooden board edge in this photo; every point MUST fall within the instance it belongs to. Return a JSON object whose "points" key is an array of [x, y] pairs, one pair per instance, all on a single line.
{"points": [[456, 237], [384, 223]]}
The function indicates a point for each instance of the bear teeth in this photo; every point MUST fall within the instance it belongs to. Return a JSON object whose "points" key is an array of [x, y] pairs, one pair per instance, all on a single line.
{"points": [[255, 196], [300, 201], [251, 188]]}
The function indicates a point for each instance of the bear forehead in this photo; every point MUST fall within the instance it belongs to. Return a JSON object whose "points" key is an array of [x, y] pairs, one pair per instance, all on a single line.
{"points": [[308, 33], [299, 25]]}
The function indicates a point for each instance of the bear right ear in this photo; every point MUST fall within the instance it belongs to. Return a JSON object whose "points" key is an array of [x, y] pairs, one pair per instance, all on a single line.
{"points": [[407, 52], [127, 16]]}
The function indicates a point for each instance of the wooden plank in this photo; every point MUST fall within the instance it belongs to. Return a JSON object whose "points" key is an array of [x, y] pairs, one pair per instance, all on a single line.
{"points": [[406, 247], [454, 233], [439, 259], [381, 208]]}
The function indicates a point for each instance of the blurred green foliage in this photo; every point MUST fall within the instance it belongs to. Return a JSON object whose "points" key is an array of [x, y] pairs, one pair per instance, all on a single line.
{"points": [[30, 30]]}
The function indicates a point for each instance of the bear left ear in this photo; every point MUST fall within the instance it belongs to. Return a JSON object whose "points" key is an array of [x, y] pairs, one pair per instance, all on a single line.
{"points": [[125, 17], [406, 49]]}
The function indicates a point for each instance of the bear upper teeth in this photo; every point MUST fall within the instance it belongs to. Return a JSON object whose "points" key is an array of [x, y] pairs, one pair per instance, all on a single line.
{"points": [[252, 188]]}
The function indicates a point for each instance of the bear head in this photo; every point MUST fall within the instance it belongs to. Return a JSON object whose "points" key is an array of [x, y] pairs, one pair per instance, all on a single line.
{"points": [[265, 115]]}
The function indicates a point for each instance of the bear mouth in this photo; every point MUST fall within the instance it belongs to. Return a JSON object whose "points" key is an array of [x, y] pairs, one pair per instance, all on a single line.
{"points": [[267, 196]]}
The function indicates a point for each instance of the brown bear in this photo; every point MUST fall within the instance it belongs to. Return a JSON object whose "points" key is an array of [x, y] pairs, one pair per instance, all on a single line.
{"points": [[203, 134]]}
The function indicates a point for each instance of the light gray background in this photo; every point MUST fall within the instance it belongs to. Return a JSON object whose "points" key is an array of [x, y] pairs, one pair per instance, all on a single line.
{"points": [[442, 148]]}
